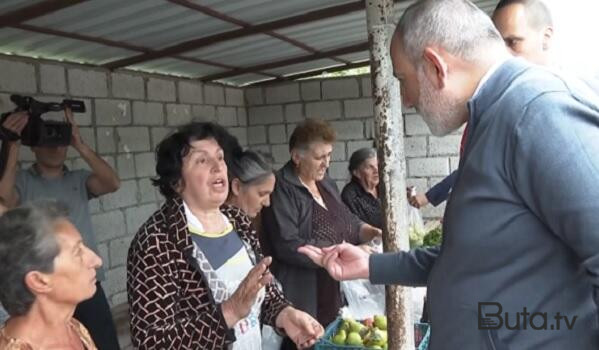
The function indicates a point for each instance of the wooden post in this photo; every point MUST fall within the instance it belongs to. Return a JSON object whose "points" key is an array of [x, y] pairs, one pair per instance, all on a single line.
{"points": [[392, 169]]}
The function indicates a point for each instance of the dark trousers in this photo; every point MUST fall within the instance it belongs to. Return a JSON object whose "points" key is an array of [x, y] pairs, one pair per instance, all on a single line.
{"points": [[95, 315]]}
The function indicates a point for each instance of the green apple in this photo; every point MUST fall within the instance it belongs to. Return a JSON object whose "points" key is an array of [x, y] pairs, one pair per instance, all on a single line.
{"points": [[380, 322], [353, 338]]}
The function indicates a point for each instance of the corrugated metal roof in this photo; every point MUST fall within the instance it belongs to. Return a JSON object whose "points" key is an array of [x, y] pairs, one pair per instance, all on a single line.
{"points": [[110, 30]]}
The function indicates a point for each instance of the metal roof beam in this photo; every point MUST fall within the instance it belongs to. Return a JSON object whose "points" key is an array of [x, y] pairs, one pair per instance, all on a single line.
{"points": [[119, 44], [239, 33], [224, 17], [287, 62], [37, 10], [314, 73]]}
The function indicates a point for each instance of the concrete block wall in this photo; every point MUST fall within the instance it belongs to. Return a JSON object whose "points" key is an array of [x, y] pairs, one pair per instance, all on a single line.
{"points": [[127, 115], [273, 112]]}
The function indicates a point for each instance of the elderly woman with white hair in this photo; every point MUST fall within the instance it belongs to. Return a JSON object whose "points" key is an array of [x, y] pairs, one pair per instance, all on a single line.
{"points": [[45, 271]]}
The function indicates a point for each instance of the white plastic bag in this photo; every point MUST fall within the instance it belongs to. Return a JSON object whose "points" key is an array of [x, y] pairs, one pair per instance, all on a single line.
{"points": [[364, 299], [270, 339], [415, 227]]}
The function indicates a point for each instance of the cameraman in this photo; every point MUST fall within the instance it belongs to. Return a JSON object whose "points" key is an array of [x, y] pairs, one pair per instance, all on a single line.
{"points": [[49, 178]]}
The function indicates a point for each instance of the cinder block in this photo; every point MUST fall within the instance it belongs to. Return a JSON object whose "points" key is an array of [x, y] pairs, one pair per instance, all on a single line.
{"points": [[366, 86], [159, 134], [108, 225], [338, 152], [326, 110], [294, 113], [340, 88], [444, 146], [276, 134], [420, 183], [116, 281], [369, 129], [125, 166], [420, 167], [137, 215], [433, 213], [226, 116], [80, 164], [256, 135], [113, 112], [145, 164], [88, 137], [415, 125], [454, 163], [190, 92], [126, 196], [310, 90], [118, 250], [280, 153], [53, 79], [161, 90], [203, 113], [359, 108], [104, 254], [353, 146], [147, 191], [242, 117], [282, 93], [5, 102], [349, 130], [128, 86], [254, 96], [17, 77], [415, 146], [106, 140], [26, 154], [234, 97], [148, 113], [178, 114], [338, 171], [266, 115], [124, 338], [88, 83], [214, 94], [241, 134], [133, 139]]}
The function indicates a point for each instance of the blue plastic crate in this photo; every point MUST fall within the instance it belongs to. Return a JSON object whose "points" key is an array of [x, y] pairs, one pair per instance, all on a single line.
{"points": [[421, 332]]}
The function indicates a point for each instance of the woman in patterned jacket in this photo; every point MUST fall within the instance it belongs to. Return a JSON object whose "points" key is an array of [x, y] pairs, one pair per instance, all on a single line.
{"points": [[196, 278]]}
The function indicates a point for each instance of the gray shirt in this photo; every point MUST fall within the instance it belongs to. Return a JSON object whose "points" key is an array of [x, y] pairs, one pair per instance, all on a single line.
{"points": [[521, 228], [71, 189]]}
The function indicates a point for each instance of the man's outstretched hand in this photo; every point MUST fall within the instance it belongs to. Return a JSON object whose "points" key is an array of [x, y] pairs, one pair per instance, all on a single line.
{"points": [[343, 261]]}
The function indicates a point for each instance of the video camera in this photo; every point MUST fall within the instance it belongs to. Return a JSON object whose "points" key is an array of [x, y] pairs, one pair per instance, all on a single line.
{"points": [[39, 132]]}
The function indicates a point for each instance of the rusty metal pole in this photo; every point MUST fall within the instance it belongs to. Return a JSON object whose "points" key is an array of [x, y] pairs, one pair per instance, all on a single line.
{"points": [[389, 135]]}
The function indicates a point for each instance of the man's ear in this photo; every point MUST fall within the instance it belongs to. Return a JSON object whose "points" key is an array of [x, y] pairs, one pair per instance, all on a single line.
{"points": [[236, 187], [356, 173], [38, 282], [435, 67], [547, 38]]}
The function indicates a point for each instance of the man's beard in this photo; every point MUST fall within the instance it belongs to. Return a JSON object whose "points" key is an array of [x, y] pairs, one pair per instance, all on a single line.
{"points": [[440, 112]]}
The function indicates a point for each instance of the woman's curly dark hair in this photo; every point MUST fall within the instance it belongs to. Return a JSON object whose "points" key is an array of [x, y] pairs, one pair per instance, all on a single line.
{"points": [[171, 151]]}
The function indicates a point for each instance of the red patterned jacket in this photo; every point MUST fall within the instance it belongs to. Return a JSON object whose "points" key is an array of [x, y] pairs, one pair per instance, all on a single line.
{"points": [[171, 305]]}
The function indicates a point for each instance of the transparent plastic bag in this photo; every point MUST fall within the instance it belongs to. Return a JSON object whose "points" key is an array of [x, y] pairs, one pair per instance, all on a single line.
{"points": [[270, 339], [416, 227], [364, 299]]}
